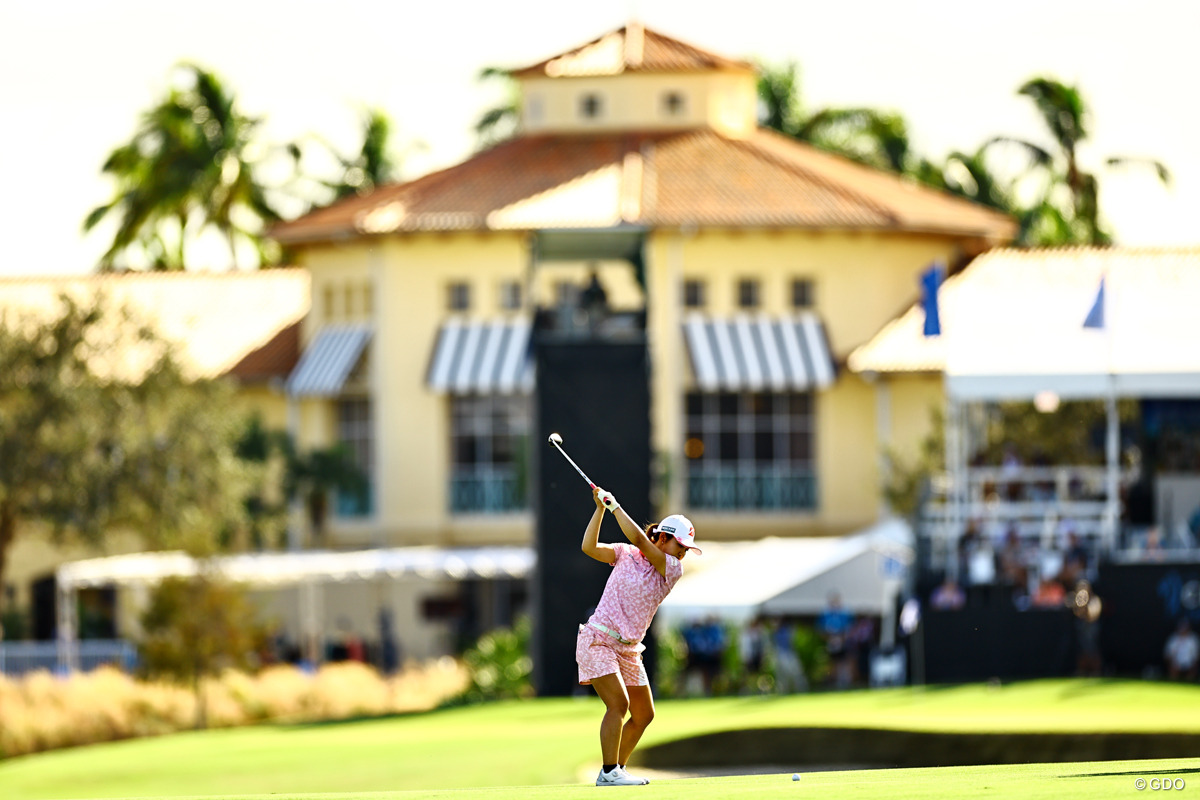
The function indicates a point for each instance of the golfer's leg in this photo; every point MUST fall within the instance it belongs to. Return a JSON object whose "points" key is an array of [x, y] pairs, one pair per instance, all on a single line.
{"points": [[616, 703], [641, 713]]}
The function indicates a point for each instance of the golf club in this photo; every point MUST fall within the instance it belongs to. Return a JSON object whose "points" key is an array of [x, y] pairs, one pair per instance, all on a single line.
{"points": [[556, 440]]}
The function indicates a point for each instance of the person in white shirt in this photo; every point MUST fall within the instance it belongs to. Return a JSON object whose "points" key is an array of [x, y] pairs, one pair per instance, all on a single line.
{"points": [[1182, 652]]}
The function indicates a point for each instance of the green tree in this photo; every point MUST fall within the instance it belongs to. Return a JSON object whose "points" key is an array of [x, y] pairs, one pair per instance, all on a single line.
{"points": [[310, 477], [377, 161], [1067, 210], [101, 429], [500, 121], [188, 168], [877, 138], [196, 627]]}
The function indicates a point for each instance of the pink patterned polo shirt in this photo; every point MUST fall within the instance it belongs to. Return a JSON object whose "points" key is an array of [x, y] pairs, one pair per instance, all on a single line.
{"points": [[633, 592]]}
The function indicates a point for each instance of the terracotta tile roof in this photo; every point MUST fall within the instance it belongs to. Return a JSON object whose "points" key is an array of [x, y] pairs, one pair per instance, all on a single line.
{"points": [[667, 179], [275, 358], [1022, 311], [633, 48], [214, 319]]}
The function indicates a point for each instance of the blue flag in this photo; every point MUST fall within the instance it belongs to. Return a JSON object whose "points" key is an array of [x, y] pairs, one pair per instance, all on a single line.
{"points": [[1095, 317], [931, 280]]}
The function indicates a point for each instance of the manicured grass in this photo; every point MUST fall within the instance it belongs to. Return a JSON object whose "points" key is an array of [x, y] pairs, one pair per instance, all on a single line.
{"points": [[1079, 781], [548, 742]]}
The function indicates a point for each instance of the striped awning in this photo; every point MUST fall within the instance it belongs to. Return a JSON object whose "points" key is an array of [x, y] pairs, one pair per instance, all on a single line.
{"points": [[482, 357], [756, 353], [328, 361]]}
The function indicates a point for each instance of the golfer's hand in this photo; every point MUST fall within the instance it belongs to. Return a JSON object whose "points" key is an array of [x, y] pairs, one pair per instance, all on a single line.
{"points": [[596, 492], [606, 499]]}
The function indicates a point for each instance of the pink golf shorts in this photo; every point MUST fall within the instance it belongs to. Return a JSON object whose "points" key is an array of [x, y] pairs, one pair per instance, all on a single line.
{"points": [[599, 654]]}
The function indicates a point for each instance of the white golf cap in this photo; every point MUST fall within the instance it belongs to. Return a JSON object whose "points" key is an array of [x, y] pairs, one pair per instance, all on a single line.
{"points": [[682, 529]]}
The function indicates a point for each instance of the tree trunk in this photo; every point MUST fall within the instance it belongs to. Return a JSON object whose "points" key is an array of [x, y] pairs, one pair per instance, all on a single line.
{"points": [[8, 530]]}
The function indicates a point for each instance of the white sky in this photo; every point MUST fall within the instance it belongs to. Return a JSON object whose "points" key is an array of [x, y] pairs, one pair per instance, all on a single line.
{"points": [[77, 73]]}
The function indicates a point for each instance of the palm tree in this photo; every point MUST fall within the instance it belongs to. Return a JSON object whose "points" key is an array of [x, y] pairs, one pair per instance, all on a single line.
{"points": [[500, 121], [1075, 218], [376, 163], [877, 138], [187, 168]]}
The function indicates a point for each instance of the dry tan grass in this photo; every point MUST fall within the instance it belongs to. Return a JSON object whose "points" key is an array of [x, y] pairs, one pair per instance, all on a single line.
{"points": [[44, 712]]}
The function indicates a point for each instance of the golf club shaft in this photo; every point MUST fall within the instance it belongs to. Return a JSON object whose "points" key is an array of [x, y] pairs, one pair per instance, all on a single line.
{"points": [[573, 464]]}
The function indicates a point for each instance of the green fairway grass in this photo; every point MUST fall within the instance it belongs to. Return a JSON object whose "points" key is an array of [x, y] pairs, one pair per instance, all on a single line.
{"points": [[555, 741], [1097, 780]]}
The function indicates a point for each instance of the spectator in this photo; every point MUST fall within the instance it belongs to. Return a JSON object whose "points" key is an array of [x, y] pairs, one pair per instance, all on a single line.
{"points": [[859, 641], [1085, 605], [1182, 652], [389, 648], [712, 644], [833, 625], [789, 672], [1075, 561], [750, 650], [948, 596], [1050, 594], [1010, 561]]}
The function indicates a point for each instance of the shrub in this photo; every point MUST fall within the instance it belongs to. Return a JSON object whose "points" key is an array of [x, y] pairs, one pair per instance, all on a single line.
{"points": [[499, 665], [43, 712]]}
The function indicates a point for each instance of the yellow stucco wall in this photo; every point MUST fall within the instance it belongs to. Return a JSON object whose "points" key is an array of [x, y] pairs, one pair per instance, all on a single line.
{"points": [[860, 280], [724, 101]]}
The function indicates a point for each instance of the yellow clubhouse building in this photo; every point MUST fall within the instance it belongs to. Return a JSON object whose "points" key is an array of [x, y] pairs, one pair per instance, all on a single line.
{"points": [[638, 179], [760, 263]]}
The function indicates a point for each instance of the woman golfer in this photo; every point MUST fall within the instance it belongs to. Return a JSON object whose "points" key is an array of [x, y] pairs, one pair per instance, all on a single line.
{"points": [[609, 648]]}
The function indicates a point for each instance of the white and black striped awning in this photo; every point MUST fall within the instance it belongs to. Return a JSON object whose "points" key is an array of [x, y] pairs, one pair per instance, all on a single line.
{"points": [[328, 361], [758, 353], [482, 357]]}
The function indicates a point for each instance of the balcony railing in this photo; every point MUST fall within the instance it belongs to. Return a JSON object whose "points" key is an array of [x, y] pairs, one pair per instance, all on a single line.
{"points": [[490, 490], [738, 488], [19, 658]]}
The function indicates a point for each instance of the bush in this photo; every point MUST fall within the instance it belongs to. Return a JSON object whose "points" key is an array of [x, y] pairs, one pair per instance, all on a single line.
{"points": [[499, 665], [43, 712]]}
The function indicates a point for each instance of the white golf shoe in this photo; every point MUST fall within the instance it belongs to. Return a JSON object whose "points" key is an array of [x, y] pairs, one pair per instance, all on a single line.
{"points": [[637, 778], [618, 777]]}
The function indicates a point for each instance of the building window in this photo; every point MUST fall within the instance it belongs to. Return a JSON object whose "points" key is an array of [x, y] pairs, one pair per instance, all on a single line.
{"points": [[693, 294], [489, 448], [748, 293], [458, 296], [566, 294], [356, 432], [535, 108], [327, 302], [802, 293], [590, 106], [750, 451], [510, 295], [674, 104]]}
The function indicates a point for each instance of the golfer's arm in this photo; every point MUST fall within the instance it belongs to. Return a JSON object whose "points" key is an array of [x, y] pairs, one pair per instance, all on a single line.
{"points": [[591, 539], [637, 537]]}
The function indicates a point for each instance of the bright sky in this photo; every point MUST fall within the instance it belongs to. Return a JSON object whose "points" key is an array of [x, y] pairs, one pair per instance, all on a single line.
{"points": [[77, 73]]}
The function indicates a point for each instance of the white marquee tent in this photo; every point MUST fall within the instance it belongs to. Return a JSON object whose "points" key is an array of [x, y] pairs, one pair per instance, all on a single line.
{"points": [[792, 576], [307, 569]]}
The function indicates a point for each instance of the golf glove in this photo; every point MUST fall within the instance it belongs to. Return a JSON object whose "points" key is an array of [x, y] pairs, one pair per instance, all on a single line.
{"points": [[608, 500]]}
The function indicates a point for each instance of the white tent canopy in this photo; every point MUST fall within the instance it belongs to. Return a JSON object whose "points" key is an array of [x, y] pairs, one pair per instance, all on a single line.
{"points": [[307, 569], [791, 577], [1012, 327], [279, 569]]}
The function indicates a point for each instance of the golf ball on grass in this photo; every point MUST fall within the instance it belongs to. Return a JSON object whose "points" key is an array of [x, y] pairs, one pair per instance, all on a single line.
{"points": [[795, 776]]}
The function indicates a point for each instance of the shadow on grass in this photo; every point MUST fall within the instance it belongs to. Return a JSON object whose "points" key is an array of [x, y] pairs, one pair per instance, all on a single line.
{"points": [[333, 723], [1191, 771]]}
